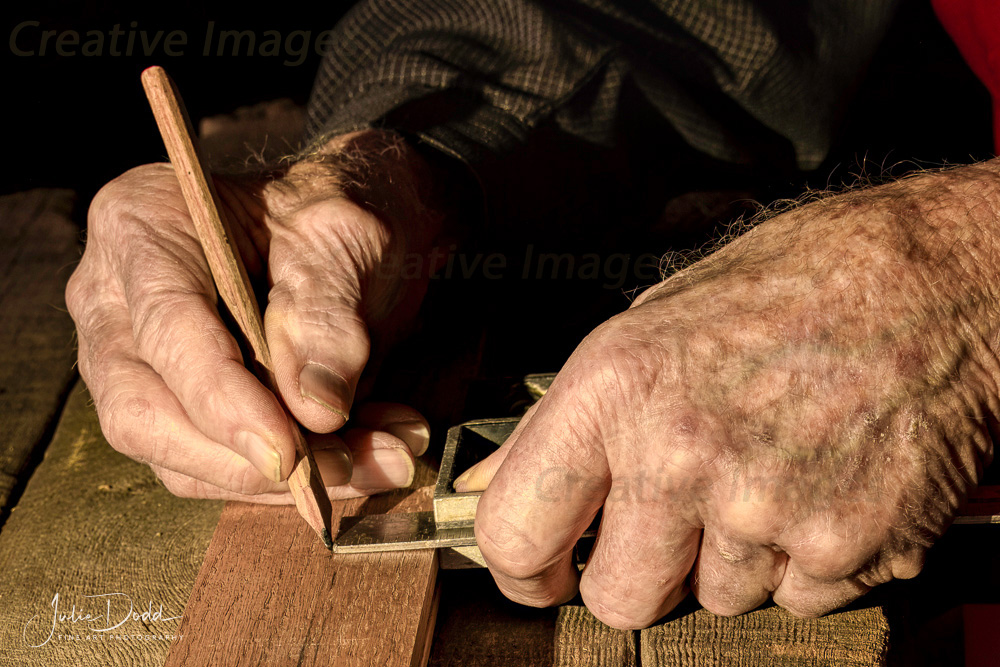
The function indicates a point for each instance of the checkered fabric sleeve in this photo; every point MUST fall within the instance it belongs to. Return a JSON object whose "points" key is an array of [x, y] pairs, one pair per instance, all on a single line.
{"points": [[476, 78]]}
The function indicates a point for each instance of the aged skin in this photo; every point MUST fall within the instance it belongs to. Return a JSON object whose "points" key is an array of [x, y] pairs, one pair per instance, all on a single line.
{"points": [[798, 416], [165, 373]]}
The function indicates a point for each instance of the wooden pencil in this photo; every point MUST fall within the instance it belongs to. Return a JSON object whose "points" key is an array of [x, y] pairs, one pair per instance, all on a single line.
{"points": [[230, 276]]}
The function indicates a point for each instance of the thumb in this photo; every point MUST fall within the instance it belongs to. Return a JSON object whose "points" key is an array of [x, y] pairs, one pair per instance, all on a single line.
{"points": [[479, 476], [315, 328]]}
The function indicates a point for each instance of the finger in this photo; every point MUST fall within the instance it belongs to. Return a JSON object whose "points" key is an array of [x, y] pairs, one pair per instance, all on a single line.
{"points": [[824, 558], [185, 486], [381, 460], [479, 476], [735, 572], [372, 472], [396, 419], [142, 418], [639, 564], [201, 363], [139, 414], [807, 596], [648, 541], [177, 330], [546, 492], [314, 320], [733, 575]]}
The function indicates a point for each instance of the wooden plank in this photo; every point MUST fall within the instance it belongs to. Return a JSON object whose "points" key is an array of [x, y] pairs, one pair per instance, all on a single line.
{"points": [[583, 641], [39, 245], [477, 625], [92, 522], [768, 637], [269, 594]]}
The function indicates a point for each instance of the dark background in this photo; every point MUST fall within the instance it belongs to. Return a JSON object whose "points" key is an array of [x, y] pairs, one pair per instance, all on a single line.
{"points": [[78, 121]]}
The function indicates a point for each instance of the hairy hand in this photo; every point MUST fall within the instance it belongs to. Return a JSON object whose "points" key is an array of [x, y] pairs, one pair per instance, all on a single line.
{"points": [[166, 375], [797, 416]]}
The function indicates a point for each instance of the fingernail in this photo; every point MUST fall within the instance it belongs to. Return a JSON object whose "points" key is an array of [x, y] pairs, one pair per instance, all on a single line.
{"points": [[389, 469], [334, 464], [415, 434], [320, 384], [261, 455], [462, 481]]}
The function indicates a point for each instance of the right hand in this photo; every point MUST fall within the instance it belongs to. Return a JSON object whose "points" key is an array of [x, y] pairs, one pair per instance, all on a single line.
{"points": [[166, 375]]}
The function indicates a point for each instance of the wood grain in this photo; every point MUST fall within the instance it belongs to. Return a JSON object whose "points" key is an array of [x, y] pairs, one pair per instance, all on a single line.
{"points": [[94, 522], [268, 594], [38, 249], [231, 278], [768, 637], [477, 626], [583, 641]]}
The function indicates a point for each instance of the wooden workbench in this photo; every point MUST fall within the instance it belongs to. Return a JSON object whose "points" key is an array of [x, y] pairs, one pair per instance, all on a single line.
{"points": [[92, 528]]}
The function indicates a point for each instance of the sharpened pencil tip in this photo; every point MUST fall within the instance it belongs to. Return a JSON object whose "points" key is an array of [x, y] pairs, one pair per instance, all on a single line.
{"points": [[326, 539]]}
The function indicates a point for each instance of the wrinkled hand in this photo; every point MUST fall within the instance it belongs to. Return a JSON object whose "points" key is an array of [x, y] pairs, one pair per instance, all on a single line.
{"points": [[166, 375], [797, 416]]}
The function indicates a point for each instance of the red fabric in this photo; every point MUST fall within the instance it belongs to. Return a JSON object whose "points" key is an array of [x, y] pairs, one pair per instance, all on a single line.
{"points": [[975, 27], [982, 643]]}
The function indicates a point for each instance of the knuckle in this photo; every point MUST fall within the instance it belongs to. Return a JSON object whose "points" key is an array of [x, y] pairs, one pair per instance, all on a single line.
{"points": [[534, 598], [79, 291], [316, 302], [909, 565], [103, 211], [230, 479], [878, 570], [620, 601], [815, 599], [247, 481], [308, 320], [615, 358], [723, 601], [622, 365], [208, 398], [509, 550], [107, 204], [620, 614], [119, 207], [126, 418]]}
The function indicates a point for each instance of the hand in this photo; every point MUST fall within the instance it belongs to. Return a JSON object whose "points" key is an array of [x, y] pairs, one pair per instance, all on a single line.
{"points": [[167, 376], [797, 416]]}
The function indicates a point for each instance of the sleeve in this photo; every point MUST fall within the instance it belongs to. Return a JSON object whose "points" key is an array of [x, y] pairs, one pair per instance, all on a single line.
{"points": [[744, 81]]}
